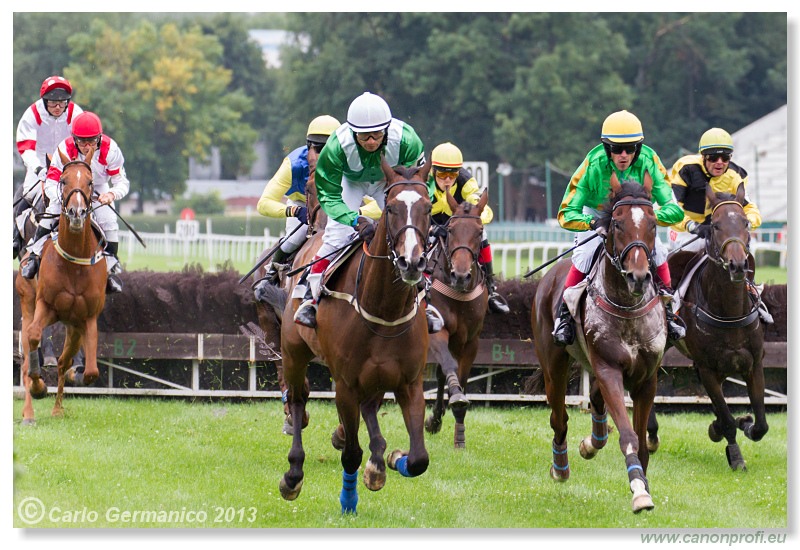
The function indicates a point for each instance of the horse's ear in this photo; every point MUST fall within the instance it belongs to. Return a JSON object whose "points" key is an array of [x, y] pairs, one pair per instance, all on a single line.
{"points": [[711, 196], [483, 200], [648, 182], [64, 158], [615, 185], [312, 160], [451, 201], [740, 193], [388, 171], [88, 159], [425, 170]]}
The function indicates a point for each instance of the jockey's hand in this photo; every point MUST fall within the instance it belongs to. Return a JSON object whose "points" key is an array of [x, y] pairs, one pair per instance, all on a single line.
{"points": [[41, 173], [106, 198], [595, 226], [365, 228], [301, 213], [439, 231], [699, 229]]}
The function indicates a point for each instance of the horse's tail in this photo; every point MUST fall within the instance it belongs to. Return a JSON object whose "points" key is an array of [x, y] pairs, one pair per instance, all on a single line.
{"points": [[275, 297]]}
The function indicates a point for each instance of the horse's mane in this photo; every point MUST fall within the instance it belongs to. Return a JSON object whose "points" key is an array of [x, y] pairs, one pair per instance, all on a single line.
{"points": [[629, 189]]}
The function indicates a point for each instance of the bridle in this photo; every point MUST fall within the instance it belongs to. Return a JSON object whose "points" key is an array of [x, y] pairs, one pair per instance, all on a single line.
{"points": [[391, 239], [618, 259], [715, 252], [80, 215]]}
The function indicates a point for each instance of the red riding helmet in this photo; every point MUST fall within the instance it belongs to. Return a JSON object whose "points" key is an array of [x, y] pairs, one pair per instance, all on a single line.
{"points": [[56, 88], [87, 125]]}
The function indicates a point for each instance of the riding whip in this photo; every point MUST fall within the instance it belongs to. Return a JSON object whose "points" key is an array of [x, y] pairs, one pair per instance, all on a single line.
{"points": [[687, 243], [132, 230], [586, 240], [269, 254]]}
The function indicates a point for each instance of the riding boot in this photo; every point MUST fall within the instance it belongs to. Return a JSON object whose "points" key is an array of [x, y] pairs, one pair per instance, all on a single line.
{"points": [[763, 312], [497, 303], [434, 318], [31, 267], [306, 314], [113, 283], [676, 328], [564, 332], [21, 207]]}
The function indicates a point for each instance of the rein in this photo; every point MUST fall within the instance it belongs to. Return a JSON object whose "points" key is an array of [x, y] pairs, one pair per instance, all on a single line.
{"points": [[709, 318], [65, 200], [715, 252], [617, 259]]}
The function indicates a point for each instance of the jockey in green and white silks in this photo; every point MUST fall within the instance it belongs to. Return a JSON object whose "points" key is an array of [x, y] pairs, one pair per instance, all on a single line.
{"points": [[349, 169]]}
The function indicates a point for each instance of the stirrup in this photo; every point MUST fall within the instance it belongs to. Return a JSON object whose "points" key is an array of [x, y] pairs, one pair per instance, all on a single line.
{"points": [[497, 303], [564, 331], [434, 318], [306, 314]]}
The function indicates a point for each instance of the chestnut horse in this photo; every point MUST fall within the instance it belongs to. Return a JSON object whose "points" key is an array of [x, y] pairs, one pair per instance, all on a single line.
{"points": [[70, 288], [458, 292], [372, 334], [621, 336], [724, 336]]}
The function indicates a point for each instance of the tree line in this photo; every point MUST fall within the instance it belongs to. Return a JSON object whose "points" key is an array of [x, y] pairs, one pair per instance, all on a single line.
{"points": [[522, 88]]}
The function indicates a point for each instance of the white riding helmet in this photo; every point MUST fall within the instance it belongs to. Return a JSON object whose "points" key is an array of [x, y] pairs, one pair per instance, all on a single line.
{"points": [[368, 113]]}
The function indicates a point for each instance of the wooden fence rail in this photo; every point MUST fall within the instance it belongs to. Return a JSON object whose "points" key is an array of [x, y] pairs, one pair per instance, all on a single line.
{"points": [[495, 356]]}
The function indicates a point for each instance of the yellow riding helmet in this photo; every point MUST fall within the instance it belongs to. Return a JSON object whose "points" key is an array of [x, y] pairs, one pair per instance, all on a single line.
{"points": [[447, 156], [622, 127], [321, 128], [715, 141]]}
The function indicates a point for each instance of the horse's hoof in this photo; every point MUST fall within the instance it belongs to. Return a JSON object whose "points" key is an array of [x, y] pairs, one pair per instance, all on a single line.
{"points": [[735, 459], [642, 502], [288, 429], [652, 444], [393, 457], [713, 435], [433, 425], [586, 448], [743, 421], [374, 477], [74, 377], [458, 402], [460, 445], [28, 421], [337, 439], [559, 475], [37, 388], [288, 493], [50, 361]]}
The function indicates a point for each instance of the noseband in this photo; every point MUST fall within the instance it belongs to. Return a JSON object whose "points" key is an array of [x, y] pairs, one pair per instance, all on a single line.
{"points": [[391, 239], [618, 259], [715, 252]]}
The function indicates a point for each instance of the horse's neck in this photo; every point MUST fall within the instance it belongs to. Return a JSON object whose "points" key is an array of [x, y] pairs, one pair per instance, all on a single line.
{"points": [[614, 285], [380, 289], [80, 245], [725, 298]]}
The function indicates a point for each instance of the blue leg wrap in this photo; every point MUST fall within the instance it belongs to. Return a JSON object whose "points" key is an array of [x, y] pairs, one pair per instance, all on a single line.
{"points": [[348, 498], [402, 466], [284, 396]]}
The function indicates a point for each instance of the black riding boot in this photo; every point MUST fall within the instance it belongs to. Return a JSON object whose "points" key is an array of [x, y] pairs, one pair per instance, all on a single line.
{"points": [[31, 267], [306, 314], [676, 328], [272, 276], [21, 207], [113, 283], [763, 312], [497, 303], [564, 331]]}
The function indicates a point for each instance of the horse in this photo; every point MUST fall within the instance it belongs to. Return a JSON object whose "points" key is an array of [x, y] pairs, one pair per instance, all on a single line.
{"points": [[621, 336], [459, 293], [724, 336], [373, 336], [70, 288]]}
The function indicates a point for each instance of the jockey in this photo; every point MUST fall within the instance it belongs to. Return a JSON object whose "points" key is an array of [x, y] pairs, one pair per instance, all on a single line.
{"points": [[449, 176], [690, 175], [623, 152], [348, 170], [289, 185], [110, 184], [42, 127]]}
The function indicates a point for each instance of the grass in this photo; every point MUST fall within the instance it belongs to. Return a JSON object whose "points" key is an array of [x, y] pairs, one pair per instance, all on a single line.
{"points": [[225, 459]]}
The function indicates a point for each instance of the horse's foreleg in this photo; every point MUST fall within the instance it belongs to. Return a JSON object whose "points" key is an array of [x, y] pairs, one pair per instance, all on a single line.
{"points": [[755, 431], [412, 403], [72, 343], [591, 444], [556, 377], [294, 371], [468, 354], [48, 347], [725, 423], [347, 406], [375, 471], [652, 431], [643, 397], [90, 372], [434, 421], [42, 317]]}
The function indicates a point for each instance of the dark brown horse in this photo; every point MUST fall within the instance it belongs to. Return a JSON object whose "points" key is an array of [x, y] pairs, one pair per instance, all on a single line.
{"points": [[372, 335], [621, 336], [458, 292], [724, 336], [70, 288]]}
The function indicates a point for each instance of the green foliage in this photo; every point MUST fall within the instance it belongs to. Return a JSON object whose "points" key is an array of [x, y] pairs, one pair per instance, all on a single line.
{"points": [[201, 203]]}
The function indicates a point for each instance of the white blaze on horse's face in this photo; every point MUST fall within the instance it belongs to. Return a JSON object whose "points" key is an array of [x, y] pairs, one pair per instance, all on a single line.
{"points": [[409, 198]]}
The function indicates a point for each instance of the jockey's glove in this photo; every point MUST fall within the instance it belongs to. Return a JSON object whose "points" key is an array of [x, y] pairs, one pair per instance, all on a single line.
{"points": [[365, 228], [439, 231], [299, 212], [699, 229], [40, 173]]}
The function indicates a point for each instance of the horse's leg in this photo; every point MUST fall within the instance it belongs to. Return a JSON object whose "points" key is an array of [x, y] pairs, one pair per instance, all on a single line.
{"points": [[48, 353], [643, 397], [295, 363], [375, 471], [591, 444], [610, 380], [755, 431], [89, 373], [556, 377], [42, 317], [725, 423], [347, 406], [468, 353], [412, 403], [434, 421], [72, 343], [652, 431], [31, 389]]}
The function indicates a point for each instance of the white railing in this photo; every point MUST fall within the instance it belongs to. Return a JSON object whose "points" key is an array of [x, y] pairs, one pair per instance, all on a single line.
{"points": [[511, 259]]}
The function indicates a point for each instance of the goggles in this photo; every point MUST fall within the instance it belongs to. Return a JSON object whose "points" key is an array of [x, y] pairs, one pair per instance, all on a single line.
{"points": [[716, 157], [619, 148]]}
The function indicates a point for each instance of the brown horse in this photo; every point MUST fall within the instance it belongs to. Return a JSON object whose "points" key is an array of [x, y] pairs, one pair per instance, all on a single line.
{"points": [[724, 336], [70, 288], [621, 336], [372, 335], [458, 292]]}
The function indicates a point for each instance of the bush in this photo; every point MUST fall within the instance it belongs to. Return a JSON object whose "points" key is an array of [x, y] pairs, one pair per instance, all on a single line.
{"points": [[202, 204]]}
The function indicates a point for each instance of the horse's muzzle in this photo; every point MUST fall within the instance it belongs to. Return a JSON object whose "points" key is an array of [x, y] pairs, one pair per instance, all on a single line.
{"points": [[411, 271], [638, 281]]}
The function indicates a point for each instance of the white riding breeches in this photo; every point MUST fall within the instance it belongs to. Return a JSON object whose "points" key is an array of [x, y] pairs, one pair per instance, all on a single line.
{"points": [[337, 234], [296, 240]]}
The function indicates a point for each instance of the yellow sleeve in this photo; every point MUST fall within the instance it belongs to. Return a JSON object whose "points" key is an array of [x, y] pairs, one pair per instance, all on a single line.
{"points": [[753, 215], [440, 206], [271, 203], [370, 208], [472, 194]]}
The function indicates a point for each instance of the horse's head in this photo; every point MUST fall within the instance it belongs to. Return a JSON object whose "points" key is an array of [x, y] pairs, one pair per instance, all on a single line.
{"points": [[630, 225], [76, 188], [728, 243], [464, 237], [407, 218]]}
